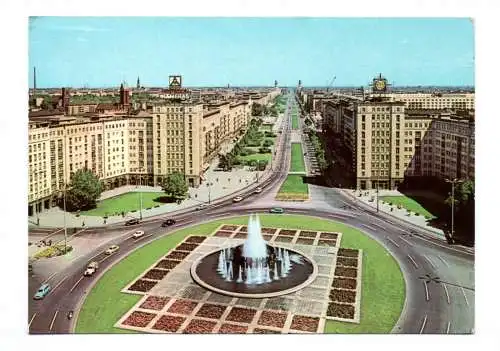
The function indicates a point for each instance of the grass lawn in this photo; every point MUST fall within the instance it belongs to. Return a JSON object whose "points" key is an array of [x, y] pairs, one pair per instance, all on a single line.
{"points": [[294, 184], [383, 288], [297, 162], [409, 204], [125, 202], [256, 157], [266, 128], [295, 120]]}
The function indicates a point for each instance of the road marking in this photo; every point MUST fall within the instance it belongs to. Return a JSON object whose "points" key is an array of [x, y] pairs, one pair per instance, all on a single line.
{"points": [[31, 320], [367, 226], [448, 328], [106, 257], [379, 226], [423, 324], [406, 241], [447, 295], [392, 241], [413, 261], [58, 284], [430, 262], [74, 286], [426, 291], [188, 222], [465, 296], [442, 259], [50, 277], [53, 320]]}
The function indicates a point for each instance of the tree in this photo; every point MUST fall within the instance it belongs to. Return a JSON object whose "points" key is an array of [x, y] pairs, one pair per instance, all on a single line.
{"points": [[84, 190], [464, 207], [174, 185]]}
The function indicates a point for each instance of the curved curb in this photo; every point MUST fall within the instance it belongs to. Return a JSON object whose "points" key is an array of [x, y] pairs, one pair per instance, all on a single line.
{"points": [[300, 286]]}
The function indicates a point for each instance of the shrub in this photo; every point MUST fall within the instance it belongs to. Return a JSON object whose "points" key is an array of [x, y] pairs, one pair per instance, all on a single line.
{"points": [[148, 208], [252, 163], [264, 150], [133, 211], [417, 214], [267, 142], [156, 206], [53, 251]]}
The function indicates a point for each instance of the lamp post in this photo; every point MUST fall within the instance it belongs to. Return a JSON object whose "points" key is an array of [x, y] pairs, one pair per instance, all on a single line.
{"points": [[140, 197], [65, 226], [377, 195], [209, 185], [453, 182]]}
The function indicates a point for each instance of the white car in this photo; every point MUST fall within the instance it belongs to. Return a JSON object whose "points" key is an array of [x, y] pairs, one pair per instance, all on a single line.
{"points": [[237, 199], [137, 234], [91, 268], [112, 249], [258, 190]]}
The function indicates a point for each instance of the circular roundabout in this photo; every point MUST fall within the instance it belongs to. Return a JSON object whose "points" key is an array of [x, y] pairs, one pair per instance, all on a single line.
{"points": [[317, 275]]}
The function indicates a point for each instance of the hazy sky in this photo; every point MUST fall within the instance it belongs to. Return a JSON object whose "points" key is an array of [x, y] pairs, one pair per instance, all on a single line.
{"points": [[103, 51]]}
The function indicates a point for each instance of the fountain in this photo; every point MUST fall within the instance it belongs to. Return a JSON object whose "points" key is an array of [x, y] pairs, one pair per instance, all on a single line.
{"points": [[254, 268]]}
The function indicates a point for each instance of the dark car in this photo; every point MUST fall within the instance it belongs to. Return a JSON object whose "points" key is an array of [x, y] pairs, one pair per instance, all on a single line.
{"points": [[168, 222], [132, 221]]}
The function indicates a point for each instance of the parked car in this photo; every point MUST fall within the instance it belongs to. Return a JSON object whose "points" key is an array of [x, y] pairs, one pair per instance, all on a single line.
{"points": [[200, 207], [276, 210], [137, 234], [112, 249], [132, 221], [168, 222], [91, 268], [237, 199], [42, 291], [258, 190]]}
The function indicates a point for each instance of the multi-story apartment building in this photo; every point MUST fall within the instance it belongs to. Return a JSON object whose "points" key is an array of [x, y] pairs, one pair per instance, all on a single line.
{"points": [[462, 101], [128, 148]]}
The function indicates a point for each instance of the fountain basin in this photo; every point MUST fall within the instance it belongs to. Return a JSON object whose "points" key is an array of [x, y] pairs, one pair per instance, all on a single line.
{"points": [[203, 272]]}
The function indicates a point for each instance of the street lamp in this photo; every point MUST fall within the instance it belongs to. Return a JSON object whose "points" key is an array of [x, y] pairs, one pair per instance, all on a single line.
{"points": [[209, 185], [453, 182], [377, 195], [140, 196], [64, 219]]}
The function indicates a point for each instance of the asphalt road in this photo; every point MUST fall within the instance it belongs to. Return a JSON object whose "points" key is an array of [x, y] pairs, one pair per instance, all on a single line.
{"points": [[444, 305]]}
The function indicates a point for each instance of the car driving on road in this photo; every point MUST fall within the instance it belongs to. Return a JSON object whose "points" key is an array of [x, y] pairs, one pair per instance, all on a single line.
{"points": [[42, 291], [276, 210], [132, 221], [200, 207], [258, 190], [112, 249], [237, 198], [91, 268], [168, 222], [137, 234]]}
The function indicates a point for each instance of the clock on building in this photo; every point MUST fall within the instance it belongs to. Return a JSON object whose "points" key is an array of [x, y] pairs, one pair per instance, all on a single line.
{"points": [[380, 85]]}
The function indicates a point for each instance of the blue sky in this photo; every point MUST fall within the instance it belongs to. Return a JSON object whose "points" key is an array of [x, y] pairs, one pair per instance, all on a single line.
{"points": [[103, 51]]}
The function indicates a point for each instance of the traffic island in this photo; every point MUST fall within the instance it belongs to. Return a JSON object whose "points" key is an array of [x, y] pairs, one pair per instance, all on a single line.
{"points": [[293, 189]]}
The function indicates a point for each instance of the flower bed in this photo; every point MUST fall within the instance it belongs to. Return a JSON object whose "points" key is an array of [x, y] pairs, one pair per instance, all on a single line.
{"points": [[326, 242], [346, 272], [269, 230], [243, 229], [303, 323], [223, 233], [340, 310], [139, 319], [229, 227], [265, 331], [195, 239], [341, 295], [142, 285], [156, 274], [348, 252], [199, 326], [287, 232], [186, 247], [272, 319], [344, 283], [182, 307], [167, 264], [350, 262], [242, 315], [267, 237], [240, 236], [209, 310], [331, 236], [169, 323], [155, 303], [177, 255], [307, 234], [284, 239], [305, 241], [232, 329]]}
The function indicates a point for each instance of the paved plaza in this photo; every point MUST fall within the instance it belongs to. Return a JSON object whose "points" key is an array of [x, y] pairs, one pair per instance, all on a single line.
{"points": [[173, 303]]}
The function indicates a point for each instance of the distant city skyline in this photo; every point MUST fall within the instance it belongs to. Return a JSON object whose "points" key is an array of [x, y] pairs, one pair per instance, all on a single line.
{"points": [[104, 51]]}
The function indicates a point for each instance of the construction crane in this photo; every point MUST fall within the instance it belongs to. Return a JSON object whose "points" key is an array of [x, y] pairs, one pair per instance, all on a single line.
{"points": [[331, 83]]}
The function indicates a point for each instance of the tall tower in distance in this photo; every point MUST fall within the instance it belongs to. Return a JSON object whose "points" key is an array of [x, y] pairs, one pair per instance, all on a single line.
{"points": [[124, 96], [275, 83], [138, 83]]}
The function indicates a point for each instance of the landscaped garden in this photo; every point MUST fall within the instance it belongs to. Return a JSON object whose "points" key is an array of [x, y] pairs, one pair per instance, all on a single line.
{"points": [[293, 188], [382, 299], [128, 202], [295, 120], [407, 203], [297, 162]]}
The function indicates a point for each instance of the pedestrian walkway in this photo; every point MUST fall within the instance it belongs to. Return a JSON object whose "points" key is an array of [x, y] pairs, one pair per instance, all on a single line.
{"points": [[402, 214]]}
